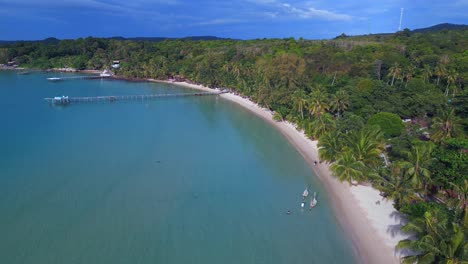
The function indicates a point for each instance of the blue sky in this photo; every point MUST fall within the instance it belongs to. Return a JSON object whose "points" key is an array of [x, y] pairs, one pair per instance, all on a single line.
{"points": [[243, 19]]}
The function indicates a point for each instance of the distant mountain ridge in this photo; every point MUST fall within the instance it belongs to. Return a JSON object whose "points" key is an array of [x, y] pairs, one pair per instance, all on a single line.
{"points": [[150, 39], [431, 29], [438, 27], [52, 40]]}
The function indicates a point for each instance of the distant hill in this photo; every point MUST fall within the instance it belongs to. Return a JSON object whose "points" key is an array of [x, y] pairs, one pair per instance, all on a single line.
{"points": [[384, 36], [157, 39], [439, 27], [151, 39]]}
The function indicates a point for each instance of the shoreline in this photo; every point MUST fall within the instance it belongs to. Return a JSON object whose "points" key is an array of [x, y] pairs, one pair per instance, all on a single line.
{"points": [[372, 227], [369, 220]]}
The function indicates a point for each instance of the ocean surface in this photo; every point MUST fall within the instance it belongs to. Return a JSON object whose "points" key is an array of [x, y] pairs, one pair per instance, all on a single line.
{"points": [[174, 180]]}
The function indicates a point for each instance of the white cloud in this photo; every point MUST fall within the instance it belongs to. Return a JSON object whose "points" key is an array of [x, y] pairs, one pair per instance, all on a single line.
{"points": [[311, 12], [301, 9], [220, 21]]}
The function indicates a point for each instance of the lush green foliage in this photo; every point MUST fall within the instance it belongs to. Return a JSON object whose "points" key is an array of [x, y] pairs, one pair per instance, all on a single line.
{"points": [[390, 124], [349, 93]]}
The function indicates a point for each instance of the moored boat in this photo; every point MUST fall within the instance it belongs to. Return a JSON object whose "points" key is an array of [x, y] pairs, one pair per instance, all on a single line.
{"points": [[313, 202], [106, 73]]}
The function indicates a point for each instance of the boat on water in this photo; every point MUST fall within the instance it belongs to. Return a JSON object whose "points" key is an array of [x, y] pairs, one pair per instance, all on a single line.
{"points": [[313, 202], [106, 73], [54, 79], [305, 193], [61, 100]]}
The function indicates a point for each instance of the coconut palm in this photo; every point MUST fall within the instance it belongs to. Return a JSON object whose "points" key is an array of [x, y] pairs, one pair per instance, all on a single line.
{"points": [[438, 240], [339, 102], [447, 125], [321, 125], [395, 72], [348, 168], [318, 103], [451, 76], [427, 73], [409, 73], [455, 249], [330, 146], [395, 185], [461, 201], [417, 164], [440, 72], [366, 145], [300, 101]]}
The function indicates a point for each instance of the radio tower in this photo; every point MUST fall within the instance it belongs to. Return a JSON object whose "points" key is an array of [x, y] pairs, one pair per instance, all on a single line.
{"points": [[401, 19]]}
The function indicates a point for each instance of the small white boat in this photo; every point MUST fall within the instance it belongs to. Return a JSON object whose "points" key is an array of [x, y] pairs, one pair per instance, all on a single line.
{"points": [[305, 193], [54, 79], [106, 73], [313, 202]]}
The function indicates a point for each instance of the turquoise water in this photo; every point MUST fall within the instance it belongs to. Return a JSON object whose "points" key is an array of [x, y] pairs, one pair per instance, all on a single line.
{"points": [[175, 180]]}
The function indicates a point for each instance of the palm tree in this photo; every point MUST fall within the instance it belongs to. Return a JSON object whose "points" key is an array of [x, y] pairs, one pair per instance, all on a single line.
{"points": [[440, 72], [455, 248], [460, 203], [447, 125], [322, 124], [278, 116], [395, 72], [318, 103], [438, 240], [452, 76], [417, 164], [409, 73], [300, 100], [348, 168], [330, 146], [366, 145], [395, 185], [339, 102], [427, 73]]}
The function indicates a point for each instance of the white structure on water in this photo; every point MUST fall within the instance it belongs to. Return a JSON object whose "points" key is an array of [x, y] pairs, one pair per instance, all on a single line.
{"points": [[106, 73]]}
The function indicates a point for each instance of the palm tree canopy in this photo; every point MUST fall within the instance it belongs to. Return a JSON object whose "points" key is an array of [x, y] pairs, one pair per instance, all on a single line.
{"points": [[447, 125], [417, 163], [339, 101], [318, 103], [366, 144], [330, 146], [348, 168]]}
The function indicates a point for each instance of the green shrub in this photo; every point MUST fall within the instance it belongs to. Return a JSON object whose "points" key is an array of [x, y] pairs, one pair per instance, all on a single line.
{"points": [[390, 124]]}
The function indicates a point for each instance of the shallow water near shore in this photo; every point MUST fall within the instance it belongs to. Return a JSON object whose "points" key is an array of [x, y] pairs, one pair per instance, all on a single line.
{"points": [[174, 180]]}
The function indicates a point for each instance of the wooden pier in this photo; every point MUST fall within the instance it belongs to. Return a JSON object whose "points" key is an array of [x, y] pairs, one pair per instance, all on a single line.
{"points": [[83, 77], [65, 100]]}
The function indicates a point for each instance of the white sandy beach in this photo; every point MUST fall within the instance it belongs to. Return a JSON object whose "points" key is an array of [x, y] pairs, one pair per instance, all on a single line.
{"points": [[372, 226]]}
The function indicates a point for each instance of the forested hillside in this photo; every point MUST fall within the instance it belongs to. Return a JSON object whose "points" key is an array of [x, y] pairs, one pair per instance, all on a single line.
{"points": [[350, 93]]}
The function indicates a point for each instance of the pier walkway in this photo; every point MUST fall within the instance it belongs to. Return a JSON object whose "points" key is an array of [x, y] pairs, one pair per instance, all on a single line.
{"points": [[82, 77], [64, 100]]}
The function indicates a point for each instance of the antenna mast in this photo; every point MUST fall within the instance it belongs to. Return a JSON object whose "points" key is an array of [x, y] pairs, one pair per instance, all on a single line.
{"points": [[401, 19]]}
